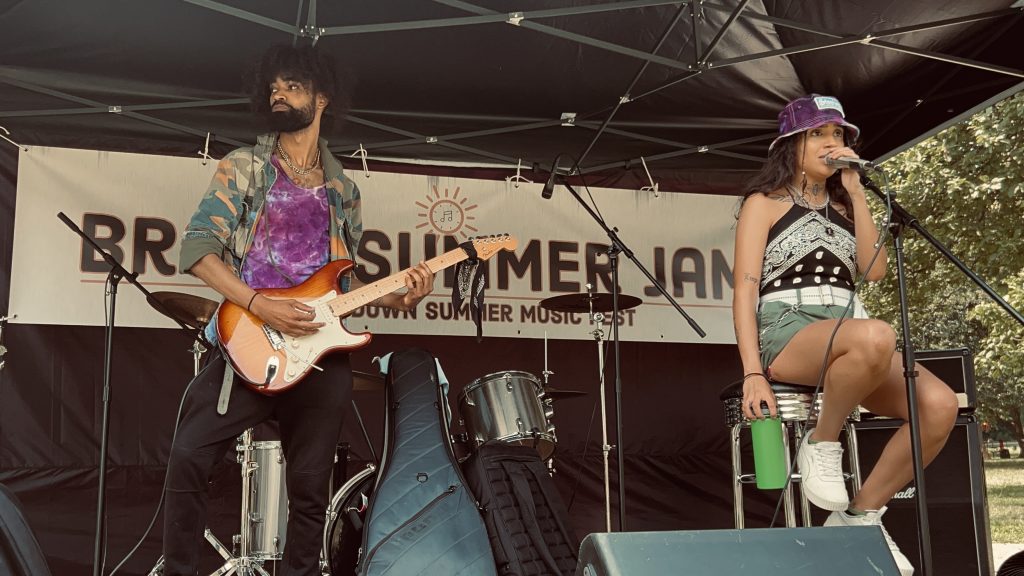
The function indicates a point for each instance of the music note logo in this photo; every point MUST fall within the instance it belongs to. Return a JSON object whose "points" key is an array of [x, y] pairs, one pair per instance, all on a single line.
{"points": [[447, 213]]}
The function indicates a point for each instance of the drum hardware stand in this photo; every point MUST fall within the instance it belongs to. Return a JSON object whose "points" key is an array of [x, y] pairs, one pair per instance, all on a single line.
{"points": [[232, 565], [547, 403], [902, 219], [596, 318], [197, 349], [546, 373], [616, 247]]}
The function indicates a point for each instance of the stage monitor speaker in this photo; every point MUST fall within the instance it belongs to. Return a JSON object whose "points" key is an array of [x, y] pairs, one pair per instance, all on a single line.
{"points": [[846, 551], [20, 554], [957, 505]]}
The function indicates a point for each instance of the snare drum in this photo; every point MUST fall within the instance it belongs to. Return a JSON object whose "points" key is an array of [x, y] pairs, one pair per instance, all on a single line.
{"points": [[263, 484], [506, 407]]}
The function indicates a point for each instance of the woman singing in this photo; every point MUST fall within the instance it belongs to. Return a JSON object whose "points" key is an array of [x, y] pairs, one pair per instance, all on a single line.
{"points": [[804, 238]]}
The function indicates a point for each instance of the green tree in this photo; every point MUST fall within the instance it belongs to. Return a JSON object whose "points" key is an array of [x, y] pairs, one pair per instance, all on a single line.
{"points": [[966, 187]]}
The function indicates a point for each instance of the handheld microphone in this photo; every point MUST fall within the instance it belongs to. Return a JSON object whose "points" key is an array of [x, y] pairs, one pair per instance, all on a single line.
{"points": [[549, 186], [856, 163]]}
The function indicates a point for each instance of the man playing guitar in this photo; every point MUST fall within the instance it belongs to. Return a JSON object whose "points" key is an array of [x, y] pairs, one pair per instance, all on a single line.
{"points": [[274, 214]]}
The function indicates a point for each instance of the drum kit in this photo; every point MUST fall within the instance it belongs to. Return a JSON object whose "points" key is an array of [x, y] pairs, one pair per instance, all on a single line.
{"points": [[511, 406]]}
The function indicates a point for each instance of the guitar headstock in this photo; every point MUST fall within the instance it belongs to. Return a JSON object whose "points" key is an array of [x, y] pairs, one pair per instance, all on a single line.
{"points": [[487, 246]]}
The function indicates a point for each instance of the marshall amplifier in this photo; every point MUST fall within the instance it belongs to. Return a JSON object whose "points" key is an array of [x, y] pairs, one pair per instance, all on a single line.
{"points": [[957, 505]]}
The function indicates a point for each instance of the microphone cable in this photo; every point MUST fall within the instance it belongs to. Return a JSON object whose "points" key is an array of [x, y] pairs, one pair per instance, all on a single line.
{"points": [[812, 416], [163, 490]]}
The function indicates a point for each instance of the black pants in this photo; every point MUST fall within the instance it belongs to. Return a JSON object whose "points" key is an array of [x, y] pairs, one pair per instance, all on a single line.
{"points": [[310, 417]]}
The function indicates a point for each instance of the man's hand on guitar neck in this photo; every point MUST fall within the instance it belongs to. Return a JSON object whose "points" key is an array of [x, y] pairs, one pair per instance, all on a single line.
{"points": [[418, 283], [288, 316]]}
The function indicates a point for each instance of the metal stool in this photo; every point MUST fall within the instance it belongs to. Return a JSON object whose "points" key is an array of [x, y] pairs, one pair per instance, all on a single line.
{"points": [[794, 406]]}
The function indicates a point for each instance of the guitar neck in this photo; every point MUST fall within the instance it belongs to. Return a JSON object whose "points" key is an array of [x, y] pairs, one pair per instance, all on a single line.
{"points": [[351, 301]]}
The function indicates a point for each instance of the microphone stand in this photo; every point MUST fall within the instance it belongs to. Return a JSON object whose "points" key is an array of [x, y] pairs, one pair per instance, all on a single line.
{"points": [[616, 247], [116, 274], [900, 220]]}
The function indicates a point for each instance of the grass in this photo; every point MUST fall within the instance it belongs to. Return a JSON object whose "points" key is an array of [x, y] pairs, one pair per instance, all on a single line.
{"points": [[1005, 481]]}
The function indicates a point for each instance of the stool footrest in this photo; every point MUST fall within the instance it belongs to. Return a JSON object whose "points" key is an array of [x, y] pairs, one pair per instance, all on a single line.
{"points": [[794, 477], [752, 478]]}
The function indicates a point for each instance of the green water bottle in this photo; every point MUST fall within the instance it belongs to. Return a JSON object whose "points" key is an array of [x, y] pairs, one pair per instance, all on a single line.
{"points": [[769, 453]]}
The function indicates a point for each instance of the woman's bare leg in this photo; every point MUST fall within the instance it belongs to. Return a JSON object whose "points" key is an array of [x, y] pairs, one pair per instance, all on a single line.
{"points": [[859, 363], [937, 407]]}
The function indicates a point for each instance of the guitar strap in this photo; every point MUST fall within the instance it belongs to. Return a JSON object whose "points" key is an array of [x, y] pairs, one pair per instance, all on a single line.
{"points": [[225, 388], [469, 283]]}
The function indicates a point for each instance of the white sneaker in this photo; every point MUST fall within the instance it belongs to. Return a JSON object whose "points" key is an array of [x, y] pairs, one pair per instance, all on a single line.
{"points": [[873, 518], [821, 473]]}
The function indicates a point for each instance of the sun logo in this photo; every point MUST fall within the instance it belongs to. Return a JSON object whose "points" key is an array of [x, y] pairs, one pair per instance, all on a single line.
{"points": [[447, 216]]}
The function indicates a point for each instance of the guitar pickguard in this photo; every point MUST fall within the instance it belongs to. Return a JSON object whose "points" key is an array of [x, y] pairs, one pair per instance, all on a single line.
{"points": [[301, 352]]}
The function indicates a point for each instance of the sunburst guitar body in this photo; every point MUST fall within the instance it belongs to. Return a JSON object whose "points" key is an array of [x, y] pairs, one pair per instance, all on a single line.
{"points": [[271, 362]]}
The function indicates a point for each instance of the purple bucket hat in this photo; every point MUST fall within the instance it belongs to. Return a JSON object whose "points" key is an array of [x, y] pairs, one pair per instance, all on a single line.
{"points": [[809, 112]]}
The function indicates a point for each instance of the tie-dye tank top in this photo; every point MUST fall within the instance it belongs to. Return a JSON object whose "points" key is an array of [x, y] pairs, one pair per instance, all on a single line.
{"points": [[290, 242]]}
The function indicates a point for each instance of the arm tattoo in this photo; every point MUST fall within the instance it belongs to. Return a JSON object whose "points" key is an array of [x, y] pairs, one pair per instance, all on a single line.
{"points": [[751, 278], [378, 302]]}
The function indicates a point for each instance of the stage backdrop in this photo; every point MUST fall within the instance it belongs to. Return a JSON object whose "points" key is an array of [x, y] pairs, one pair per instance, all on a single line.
{"points": [[137, 205], [674, 445]]}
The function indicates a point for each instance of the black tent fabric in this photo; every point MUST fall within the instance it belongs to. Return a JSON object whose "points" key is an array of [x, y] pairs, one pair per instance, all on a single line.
{"points": [[686, 90], [693, 88]]}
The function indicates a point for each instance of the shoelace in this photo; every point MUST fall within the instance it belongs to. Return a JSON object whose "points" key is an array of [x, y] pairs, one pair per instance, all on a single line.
{"points": [[829, 457], [875, 519], [888, 539]]}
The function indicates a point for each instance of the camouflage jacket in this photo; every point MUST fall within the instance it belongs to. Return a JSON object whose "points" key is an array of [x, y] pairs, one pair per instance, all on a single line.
{"points": [[226, 218]]}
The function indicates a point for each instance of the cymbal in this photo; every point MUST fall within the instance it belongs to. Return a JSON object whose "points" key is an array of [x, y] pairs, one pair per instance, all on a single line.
{"points": [[367, 382], [580, 302], [192, 311], [556, 394]]}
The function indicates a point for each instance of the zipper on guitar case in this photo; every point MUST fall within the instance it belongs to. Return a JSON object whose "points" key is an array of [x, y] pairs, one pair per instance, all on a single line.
{"points": [[430, 505]]}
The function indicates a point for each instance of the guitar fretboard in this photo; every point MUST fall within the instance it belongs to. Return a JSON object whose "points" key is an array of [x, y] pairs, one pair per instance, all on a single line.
{"points": [[351, 301]]}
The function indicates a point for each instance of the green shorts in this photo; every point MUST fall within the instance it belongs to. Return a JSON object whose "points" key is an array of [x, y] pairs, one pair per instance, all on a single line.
{"points": [[778, 322]]}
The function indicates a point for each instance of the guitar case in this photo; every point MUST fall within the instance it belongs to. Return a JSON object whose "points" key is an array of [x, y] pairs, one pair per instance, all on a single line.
{"points": [[422, 519]]}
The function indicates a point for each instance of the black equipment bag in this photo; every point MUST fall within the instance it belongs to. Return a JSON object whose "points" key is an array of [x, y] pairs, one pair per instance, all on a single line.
{"points": [[20, 554], [526, 519], [421, 518]]}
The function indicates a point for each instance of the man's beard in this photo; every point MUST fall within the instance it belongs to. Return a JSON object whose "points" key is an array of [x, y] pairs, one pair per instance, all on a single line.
{"points": [[291, 119]]}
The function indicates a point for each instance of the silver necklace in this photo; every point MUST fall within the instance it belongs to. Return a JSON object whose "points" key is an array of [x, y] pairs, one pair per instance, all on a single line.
{"points": [[799, 200], [288, 161]]}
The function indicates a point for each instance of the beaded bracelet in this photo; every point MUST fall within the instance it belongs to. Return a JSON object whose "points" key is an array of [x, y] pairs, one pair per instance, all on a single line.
{"points": [[249, 305]]}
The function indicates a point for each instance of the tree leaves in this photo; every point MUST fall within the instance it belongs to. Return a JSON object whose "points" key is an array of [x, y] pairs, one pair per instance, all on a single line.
{"points": [[966, 188]]}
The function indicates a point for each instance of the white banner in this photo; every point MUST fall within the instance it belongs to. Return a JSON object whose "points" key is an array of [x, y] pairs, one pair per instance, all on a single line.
{"points": [[137, 205]]}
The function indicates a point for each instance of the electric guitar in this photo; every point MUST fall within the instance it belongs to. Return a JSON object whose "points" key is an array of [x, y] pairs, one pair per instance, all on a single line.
{"points": [[271, 362]]}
